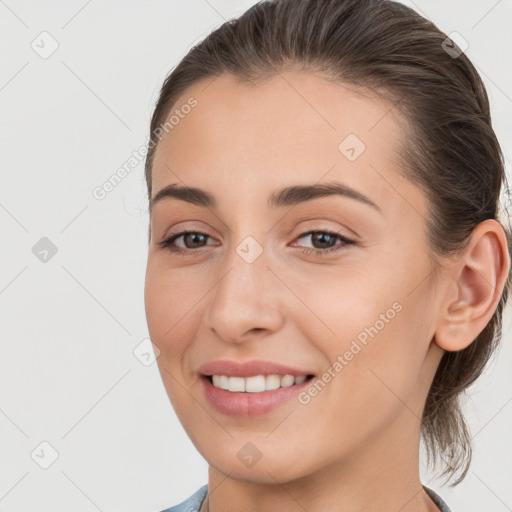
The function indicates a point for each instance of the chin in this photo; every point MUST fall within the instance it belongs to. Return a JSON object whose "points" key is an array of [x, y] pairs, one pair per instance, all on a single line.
{"points": [[278, 468]]}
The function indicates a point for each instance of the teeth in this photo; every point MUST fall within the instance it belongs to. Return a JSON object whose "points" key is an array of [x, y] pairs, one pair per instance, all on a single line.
{"points": [[287, 380], [272, 382], [255, 384]]}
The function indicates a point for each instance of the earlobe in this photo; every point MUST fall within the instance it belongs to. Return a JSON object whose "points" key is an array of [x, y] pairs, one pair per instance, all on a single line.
{"points": [[479, 277]]}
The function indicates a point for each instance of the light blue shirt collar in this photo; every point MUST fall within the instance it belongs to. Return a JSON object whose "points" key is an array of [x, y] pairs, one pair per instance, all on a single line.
{"points": [[193, 504]]}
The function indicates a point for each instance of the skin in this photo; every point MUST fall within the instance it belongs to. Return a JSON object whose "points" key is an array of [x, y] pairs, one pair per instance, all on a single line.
{"points": [[354, 446]]}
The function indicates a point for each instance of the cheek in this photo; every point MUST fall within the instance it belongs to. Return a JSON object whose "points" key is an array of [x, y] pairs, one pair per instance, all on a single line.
{"points": [[367, 384], [170, 297], [170, 314], [169, 308], [155, 296], [373, 335]]}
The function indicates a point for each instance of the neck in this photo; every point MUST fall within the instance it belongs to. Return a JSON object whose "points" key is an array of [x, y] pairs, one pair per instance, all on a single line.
{"points": [[382, 476]]}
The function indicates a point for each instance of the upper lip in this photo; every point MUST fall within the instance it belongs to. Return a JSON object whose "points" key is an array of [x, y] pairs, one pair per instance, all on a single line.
{"points": [[249, 368]]}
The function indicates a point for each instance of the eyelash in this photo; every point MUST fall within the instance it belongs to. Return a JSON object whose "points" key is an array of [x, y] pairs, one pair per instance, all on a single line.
{"points": [[167, 243]]}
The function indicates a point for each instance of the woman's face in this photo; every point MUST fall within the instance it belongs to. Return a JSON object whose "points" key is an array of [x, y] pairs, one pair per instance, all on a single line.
{"points": [[253, 283]]}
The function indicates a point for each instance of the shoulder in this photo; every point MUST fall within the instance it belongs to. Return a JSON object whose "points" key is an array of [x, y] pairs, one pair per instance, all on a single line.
{"points": [[443, 507], [191, 504]]}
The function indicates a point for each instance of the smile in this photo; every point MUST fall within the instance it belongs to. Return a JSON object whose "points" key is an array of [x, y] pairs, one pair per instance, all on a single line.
{"points": [[245, 403], [255, 384]]}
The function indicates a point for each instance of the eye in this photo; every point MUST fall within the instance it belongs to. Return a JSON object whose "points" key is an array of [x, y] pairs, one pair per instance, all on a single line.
{"points": [[191, 240], [326, 241], [194, 240]]}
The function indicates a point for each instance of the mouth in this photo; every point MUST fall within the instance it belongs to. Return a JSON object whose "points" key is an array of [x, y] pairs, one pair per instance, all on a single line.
{"points": [[249, 397], [256, 383], [252, 388]]}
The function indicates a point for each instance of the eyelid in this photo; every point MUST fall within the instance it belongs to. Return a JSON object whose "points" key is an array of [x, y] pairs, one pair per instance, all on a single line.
{"points": [[337, 234], [339, 224], [321, 224], [174, 235], [313, 231], [189, 226]]}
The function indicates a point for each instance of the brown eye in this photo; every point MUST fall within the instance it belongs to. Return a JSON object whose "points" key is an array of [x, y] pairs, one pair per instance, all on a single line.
{"points": [[324, 242], [191, 240], [322, 239]]}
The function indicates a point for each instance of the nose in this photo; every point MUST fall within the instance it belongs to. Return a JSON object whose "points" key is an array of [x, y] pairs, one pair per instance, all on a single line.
{"points": [[247, 302]]}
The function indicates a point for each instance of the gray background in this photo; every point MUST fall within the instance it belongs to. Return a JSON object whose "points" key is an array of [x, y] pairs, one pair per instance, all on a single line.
{"points": [[71, 323]]}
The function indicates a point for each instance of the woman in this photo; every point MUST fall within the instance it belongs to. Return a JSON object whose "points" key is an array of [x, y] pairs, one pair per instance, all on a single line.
{"points": [[327, 269]]}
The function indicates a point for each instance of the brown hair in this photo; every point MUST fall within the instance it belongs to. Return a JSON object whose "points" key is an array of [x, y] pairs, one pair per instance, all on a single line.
{"points": [[451, 151]]}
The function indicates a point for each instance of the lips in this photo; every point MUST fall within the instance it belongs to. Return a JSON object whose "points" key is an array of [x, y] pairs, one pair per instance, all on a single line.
{"points": [[250, 404], [250, 369]]}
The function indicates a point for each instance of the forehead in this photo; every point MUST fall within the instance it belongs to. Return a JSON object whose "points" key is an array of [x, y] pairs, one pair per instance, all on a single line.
{"points": [[293, 127]]}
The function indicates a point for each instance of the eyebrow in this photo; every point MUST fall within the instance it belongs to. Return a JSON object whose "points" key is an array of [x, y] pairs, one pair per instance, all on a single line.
{"points": [[288, 196]]}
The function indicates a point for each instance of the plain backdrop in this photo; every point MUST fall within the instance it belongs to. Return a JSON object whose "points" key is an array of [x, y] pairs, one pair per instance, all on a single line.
{"points": [[84, 419]]}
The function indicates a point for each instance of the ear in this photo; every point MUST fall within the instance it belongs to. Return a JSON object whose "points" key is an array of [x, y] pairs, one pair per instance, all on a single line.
{"points": [[477, 281]]}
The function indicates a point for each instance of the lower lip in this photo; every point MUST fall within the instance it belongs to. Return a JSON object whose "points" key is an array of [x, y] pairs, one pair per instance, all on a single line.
{"points": [[249, 404]]}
